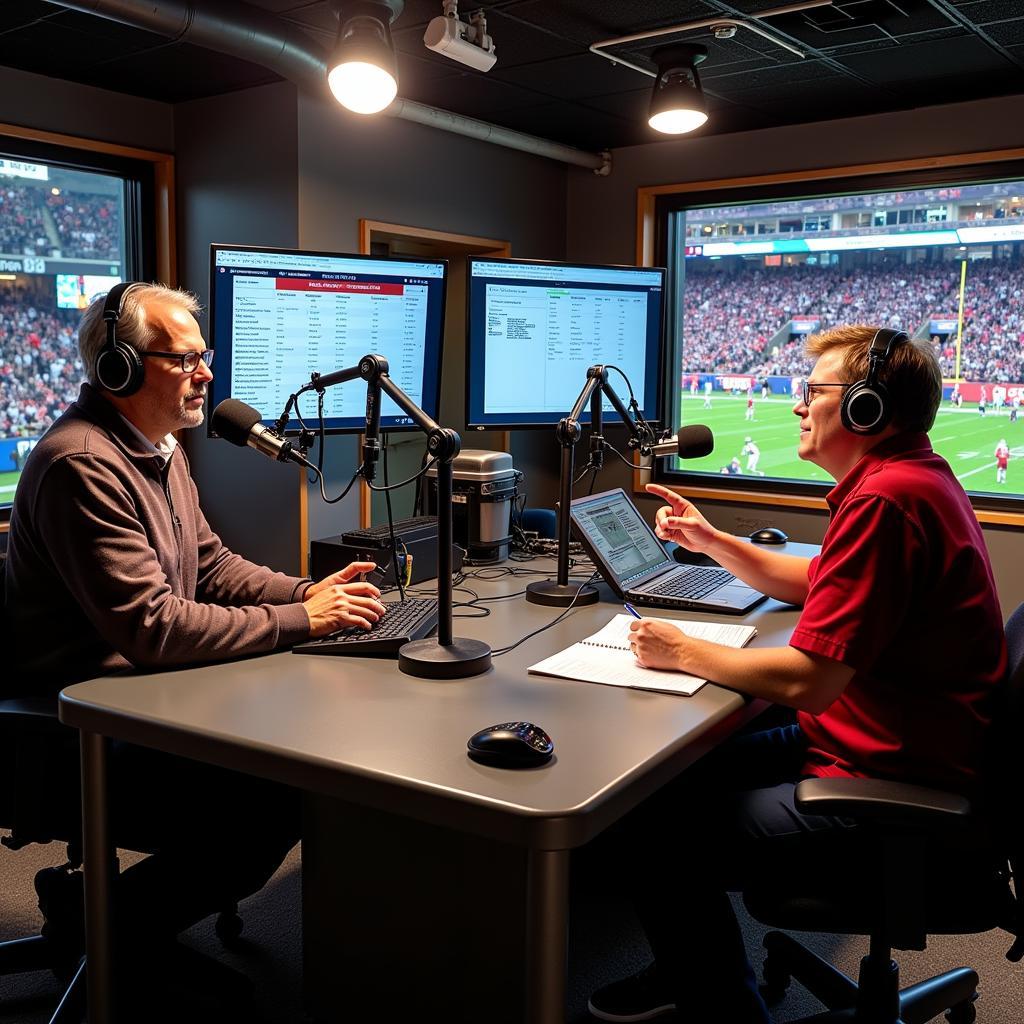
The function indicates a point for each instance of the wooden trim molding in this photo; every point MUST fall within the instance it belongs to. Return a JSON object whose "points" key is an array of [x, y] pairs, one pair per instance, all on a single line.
{"points": [[163, 185], [486, 246], [646, 204], [647, 195], [163, 181], [303, 523]]}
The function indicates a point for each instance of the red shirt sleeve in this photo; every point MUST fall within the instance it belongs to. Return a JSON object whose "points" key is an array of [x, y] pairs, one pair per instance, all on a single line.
{"points": [[861, 585]]}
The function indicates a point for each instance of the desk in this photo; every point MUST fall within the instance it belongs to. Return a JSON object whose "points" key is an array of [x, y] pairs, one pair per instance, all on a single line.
{"points": [[359, 731]]}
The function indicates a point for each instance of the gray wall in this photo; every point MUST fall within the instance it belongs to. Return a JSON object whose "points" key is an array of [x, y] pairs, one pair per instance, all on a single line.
{"points": [[402, 173], [237, 176], [53, 105], [601, 227]]}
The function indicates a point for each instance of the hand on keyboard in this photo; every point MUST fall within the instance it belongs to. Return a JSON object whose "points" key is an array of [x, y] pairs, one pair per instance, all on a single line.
{"points": [[407, 620], [335, 603]]}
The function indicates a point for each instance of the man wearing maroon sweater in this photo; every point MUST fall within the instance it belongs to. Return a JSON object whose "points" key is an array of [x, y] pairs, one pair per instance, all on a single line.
{"points": [[879, 671], [112, 566]]}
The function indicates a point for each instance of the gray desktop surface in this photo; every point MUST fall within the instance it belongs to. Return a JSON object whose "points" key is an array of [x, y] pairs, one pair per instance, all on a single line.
{"points": [[359, 729]]}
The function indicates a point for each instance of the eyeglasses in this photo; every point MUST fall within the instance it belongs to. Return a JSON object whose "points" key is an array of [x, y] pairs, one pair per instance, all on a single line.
{"points": [[810, 390], [189, 360]]}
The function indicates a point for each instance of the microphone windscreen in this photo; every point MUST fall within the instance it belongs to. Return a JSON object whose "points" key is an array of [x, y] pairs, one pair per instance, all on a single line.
{"points": [[234, 420], [695, 442]]}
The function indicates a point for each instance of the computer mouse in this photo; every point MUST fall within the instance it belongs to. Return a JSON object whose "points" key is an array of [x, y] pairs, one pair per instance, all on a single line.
{"points": [[686, 557], [511, 745], [769, 535]]}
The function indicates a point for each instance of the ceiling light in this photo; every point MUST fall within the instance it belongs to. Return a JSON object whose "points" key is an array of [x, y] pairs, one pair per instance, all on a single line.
{"points": [[677, 103], [362, 71]]}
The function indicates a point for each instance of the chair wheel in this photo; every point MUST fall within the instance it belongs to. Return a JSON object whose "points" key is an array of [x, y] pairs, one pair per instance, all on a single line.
{"points": [[776, 982], [963, 1013], [228, 928]]}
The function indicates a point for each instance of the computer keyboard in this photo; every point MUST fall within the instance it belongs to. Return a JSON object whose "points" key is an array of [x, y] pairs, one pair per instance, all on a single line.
{"points": [[693, 584], [407, 529], [405, 620]]}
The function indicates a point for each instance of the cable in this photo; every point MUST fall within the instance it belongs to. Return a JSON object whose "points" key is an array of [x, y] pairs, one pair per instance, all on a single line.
{"points": [[558, 618], [622, 458], [348, 486], [395, 487]]}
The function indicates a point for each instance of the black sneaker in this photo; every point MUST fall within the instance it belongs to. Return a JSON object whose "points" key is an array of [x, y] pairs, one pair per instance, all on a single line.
{"points": [[641, 996], [62, 904]]}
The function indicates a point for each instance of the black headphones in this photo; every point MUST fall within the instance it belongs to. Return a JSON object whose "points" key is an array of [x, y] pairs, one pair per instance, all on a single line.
{"points": [[119, 367], [867, 407]]}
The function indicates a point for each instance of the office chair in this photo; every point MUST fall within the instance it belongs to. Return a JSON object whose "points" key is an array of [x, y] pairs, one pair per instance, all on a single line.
{"points": [[895, 903], [36, 806], [32, 820]]}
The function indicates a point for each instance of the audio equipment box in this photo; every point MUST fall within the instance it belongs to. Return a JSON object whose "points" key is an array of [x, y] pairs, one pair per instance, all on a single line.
{"points": [[415, 537]]}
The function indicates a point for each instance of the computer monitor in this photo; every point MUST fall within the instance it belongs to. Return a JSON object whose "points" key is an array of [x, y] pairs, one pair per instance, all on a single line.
{"points": [[279, 315], [535, 328]]}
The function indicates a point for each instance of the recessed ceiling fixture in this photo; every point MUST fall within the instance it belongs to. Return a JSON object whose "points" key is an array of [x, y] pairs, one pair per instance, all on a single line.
{"points": [[677, 103], [679, 84], [362, 71]]}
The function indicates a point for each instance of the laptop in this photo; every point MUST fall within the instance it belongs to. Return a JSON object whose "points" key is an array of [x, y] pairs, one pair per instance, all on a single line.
{"points": [[636, 565]]}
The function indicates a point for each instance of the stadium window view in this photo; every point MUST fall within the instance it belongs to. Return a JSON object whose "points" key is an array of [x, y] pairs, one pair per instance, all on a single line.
{"points": [[62, 240], [753, 281]]}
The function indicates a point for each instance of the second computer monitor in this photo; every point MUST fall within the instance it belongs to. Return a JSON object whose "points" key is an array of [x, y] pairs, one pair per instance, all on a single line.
{"points": [[279, 315], [535, 328]]}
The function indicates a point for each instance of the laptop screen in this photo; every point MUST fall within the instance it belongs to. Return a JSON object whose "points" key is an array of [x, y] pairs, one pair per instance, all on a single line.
{"points": [[619, 534]]}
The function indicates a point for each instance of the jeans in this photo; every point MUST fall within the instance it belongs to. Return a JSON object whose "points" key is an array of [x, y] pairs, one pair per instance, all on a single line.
{"points": [[729, 821]]}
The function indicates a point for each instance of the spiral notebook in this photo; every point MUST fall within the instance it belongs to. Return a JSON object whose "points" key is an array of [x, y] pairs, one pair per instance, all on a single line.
{"points": [[606, 658]]}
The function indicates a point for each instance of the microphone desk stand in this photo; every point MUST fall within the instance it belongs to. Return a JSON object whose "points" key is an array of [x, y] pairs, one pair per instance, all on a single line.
{"points": [[444, 656], [562, 593]]}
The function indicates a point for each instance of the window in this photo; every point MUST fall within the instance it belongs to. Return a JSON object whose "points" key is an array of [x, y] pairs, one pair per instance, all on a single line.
{"points": [[72, 224], [937, 252]]}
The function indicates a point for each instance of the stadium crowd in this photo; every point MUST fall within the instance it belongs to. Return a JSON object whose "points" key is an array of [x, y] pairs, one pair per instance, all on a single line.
{"points": [[40, 370], [88, 225], [72, 225], [729, 320], [23, 222]]}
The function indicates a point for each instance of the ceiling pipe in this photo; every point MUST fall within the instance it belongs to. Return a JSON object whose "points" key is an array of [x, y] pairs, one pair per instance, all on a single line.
{"points": [[249, 33]]}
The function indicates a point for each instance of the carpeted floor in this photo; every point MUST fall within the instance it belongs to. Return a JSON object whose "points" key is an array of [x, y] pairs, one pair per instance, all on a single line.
{"points": [[605, 944]]}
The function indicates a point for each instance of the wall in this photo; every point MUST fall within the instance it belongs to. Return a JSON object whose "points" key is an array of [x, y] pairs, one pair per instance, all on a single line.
{"points": [[53, 105], [237, 182], [601, 227]]}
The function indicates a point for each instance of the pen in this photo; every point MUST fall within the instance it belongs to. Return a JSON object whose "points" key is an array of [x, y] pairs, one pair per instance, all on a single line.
{"points": [[632, 611]]}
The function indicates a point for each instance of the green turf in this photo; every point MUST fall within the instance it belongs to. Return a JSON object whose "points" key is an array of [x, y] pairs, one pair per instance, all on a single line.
{"points": [[963, 437], [7, 483]]}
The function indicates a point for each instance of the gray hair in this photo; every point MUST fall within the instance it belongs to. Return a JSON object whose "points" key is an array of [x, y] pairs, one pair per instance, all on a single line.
{"points": [[132, 327]]}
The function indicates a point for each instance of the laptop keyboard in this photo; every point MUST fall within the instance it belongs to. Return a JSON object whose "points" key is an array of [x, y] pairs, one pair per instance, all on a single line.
{"points": [[693, 584], [412, 619]]}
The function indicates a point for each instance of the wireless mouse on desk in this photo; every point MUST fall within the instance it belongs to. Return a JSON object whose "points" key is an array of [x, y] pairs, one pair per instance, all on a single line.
{"points": [[511, 745], [769, 535]]}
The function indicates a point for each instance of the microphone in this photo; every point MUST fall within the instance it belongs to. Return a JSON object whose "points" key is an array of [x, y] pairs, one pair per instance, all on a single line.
{"points": [[690, 443], [240, 424]]}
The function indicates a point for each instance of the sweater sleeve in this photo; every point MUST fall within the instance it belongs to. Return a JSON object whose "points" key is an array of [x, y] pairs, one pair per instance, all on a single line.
{"points": [[109, 564]]}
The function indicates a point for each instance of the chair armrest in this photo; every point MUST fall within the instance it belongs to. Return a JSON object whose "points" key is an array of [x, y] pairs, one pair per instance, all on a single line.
{"points": [[25, 714], [882, 802]]}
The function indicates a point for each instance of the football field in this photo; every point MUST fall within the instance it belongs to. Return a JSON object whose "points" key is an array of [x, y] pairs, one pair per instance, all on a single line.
{"points": [[7, 482], [964, 438]]}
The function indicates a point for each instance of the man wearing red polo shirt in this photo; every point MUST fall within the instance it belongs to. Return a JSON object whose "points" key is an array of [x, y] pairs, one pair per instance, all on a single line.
{"points": [[879, 684]]}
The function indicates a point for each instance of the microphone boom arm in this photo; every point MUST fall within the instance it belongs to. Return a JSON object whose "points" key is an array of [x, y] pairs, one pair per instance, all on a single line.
{"points": [[445, 657], [568, 433]]}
